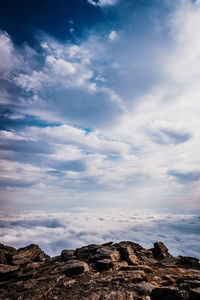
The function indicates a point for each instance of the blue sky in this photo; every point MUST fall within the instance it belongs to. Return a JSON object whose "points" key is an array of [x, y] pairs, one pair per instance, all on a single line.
{"points": [[99, 105]]}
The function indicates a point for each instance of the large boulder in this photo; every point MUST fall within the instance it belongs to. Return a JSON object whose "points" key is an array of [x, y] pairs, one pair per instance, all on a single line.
{"points": [[75, 267], [31, 253], [86, 252], [107, 252], [126, 250], [160, 251]]}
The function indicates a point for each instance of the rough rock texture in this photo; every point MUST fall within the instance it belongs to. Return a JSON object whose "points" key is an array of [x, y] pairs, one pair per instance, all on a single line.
{"points": [[122, 271]]}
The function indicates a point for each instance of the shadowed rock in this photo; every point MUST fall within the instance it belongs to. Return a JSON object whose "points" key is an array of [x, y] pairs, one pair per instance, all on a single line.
{"points": [[29, 254], [67, 255], [75, 267], [121, 271], [160, 251], [6, 253]]}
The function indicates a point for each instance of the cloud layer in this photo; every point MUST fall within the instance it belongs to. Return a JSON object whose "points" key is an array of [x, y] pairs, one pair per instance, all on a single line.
{"points": [[57, 231]]}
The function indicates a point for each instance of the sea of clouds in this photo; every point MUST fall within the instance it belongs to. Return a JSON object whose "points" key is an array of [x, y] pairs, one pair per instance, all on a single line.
{"points": [[54, 232]]}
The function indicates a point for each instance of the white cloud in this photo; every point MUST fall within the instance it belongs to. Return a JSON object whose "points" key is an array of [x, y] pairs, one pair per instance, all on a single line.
{"points": [[8, 60], [11, 135], [141, 123], [113, 35], [102, 2]]}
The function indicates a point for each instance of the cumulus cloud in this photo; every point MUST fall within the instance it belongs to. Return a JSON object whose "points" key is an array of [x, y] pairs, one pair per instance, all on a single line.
{"points": [[113, 35], [107, 116]]}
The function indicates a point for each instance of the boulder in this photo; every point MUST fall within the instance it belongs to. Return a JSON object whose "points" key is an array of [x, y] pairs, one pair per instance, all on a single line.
{"points": [[127, 253], [104, 264], [75, 267], [86, 252], [6, 253], [31, 253], [144, 288], [188, 261], [67, 255], [160, 251], [107, 253]]}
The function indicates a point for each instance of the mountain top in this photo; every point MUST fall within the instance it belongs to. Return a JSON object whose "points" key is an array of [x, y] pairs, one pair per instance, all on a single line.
{"points": [[120, 271]]}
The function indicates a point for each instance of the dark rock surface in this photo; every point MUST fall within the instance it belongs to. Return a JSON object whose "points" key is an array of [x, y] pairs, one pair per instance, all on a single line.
{"points": [[121, 271]]}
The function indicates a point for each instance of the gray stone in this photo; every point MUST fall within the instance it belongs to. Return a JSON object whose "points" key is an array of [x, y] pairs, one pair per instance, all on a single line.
{"points": [[86, 252], [75, 267], [29, 254], [104, 264], [107, 253], [160, 251], [67, 255], [127, 253], [143, 288]]}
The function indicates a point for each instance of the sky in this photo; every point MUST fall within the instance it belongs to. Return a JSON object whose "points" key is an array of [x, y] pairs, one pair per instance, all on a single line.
{"points": [[99, 112]]}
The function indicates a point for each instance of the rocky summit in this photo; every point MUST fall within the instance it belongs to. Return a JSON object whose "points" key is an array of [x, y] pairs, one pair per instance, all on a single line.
{"points": [[121, 271]]}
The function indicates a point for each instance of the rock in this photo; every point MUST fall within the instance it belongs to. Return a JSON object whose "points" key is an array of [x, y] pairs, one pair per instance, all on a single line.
{"points": [[145, 268], [7, 272], [86, 252], [31, 253], [144, 288], [115, 296], [104, 264], [67, 255], [169, 294], [6, 253], [134, 276], [123, 271], [160, 251], [75, 267], [127, 253], [107, 253], [195, 294], [121, 264], [188, 261], [193, 283]]}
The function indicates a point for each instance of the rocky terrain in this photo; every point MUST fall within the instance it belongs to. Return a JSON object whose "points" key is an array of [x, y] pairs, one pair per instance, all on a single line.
{"points": [[121, 271]]}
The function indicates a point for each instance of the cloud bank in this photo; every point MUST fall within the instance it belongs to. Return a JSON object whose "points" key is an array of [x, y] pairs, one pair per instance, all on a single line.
{"points": [[57, 231]]}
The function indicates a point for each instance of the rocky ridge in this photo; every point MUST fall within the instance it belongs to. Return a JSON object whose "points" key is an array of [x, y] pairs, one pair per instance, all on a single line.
{"points": [[120, 271]]}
